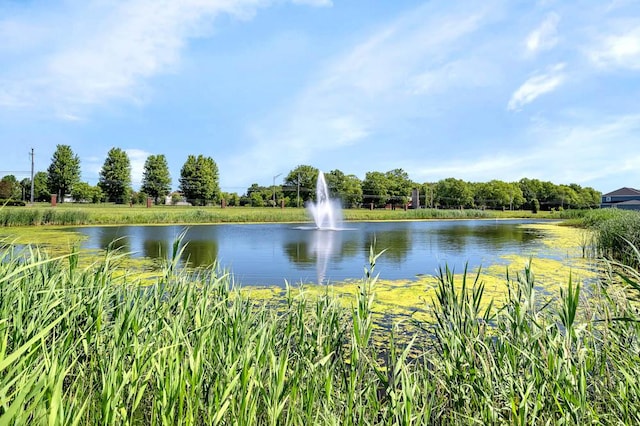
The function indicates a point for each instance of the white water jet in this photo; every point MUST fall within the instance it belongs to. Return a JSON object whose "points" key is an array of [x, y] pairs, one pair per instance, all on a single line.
{"points": [[326, 212]]}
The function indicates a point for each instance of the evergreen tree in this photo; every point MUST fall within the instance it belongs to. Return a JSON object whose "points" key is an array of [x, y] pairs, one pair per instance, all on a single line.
{"points": [[64, 171], [115, 176], [156, 180]]}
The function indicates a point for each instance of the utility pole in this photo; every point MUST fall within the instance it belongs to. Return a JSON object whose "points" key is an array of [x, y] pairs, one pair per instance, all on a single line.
{"points": [[298, 199], [274, 189], [32, 161]]}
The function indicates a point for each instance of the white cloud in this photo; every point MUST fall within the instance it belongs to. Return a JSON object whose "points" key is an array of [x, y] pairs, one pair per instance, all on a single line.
{"points": [[359, 92], [600, 149], [560, 153], [537, 86], [545, 36], [618, 51], [100, 51], [316, 3], [137, 158], [471, 72]]}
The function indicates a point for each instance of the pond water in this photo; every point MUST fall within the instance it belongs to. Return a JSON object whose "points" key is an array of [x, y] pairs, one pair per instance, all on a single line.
{"points": [[269, 254]]}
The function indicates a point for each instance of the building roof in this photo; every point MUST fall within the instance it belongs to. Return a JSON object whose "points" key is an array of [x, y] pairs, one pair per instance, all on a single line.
{"points": [[629, 203], [623, 192]]}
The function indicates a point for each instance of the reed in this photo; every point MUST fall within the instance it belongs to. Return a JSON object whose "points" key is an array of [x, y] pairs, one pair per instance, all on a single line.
{"points": [[616, 234], [80, 214], [23, 216], [93, 345]]}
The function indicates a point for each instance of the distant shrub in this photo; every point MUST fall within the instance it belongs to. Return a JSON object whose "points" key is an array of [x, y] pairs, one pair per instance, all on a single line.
{"points": [[12, 203], [535, 205]]}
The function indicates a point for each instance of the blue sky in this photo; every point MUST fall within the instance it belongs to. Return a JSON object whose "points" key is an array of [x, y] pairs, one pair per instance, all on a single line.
{"points": [[476, 90]]}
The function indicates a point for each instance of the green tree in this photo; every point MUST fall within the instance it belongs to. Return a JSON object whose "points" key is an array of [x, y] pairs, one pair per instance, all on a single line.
{"points": [[84, 192], [453, 193], [115, 176], [427, 191], [304, 178], [199, 181], [64, 171], [335, 182], [531, 189], [399, 186], [259, 196], [156, 180], [41, 187], [347, 188], [375, 189], [497, 194], [590, 198], [10, 188], [232, 198], [535, 205], [568, 197], [351, 191], [25, 189], [549, 195]]}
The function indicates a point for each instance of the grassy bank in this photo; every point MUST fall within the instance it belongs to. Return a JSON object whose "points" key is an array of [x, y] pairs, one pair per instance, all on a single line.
{"points": [[92, 346], [81, 214]]}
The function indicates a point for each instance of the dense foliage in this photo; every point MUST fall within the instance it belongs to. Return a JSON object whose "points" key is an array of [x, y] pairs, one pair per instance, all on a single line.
{"points": [[97, 346], [199, 183], [199, 180], [10, 188], [156, 179], [115, 176], [300, 185], [63, 172], [616, 234], [83, 192]]}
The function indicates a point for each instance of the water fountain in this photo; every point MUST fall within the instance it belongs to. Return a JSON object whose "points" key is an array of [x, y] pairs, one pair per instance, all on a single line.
{"points": [[326, 212]]}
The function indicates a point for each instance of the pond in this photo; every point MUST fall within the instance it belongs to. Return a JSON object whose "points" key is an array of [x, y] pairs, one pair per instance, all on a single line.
{"points": [[269, 254]]}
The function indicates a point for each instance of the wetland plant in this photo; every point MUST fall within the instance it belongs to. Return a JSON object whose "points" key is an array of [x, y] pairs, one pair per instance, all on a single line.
{"points": [[94, 345]]}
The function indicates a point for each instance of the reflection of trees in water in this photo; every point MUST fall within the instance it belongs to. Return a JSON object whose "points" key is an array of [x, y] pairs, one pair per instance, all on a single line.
{"points": [[200, 253], [490, 236], [397, 243], [114, 238], [156, 242], [298, 252], [155, 248]]}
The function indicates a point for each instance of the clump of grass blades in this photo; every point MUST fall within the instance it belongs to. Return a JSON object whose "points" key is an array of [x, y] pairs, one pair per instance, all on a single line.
{"points": [[27, 217], [94, 346], [616, 232]]}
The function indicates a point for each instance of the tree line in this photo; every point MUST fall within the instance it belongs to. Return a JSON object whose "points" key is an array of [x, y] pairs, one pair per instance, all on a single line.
{"points": [[199, 180], [395, 188], [199, 185]]}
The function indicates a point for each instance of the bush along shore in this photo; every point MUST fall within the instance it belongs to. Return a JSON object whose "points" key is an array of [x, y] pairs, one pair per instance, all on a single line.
{"points": [[94, 346]]}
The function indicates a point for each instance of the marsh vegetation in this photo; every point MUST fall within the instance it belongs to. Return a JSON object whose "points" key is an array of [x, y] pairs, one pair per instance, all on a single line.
{"points": [[96, 345]]}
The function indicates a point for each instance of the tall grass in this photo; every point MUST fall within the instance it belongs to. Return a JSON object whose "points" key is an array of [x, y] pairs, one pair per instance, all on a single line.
{"points": [[94, 346], [27, 217], [616, 234], [77, 214]]}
